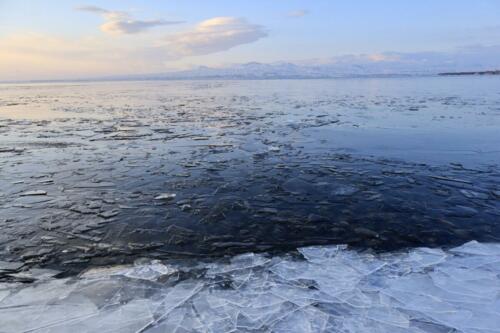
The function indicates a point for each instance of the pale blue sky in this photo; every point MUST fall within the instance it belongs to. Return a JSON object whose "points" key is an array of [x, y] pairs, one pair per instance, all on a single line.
{"points": [[262, 30]]}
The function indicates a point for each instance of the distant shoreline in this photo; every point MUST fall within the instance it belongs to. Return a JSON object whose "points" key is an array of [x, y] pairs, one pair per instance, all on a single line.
{"points": [[216, 78], [164, 77], [495, 72]]}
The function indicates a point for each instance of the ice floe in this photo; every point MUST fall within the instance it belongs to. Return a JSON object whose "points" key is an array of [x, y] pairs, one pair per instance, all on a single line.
{"points": [[317, 289]]}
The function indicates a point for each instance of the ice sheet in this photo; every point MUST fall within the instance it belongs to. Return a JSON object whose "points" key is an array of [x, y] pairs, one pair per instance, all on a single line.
{"points": [[318, 289]]}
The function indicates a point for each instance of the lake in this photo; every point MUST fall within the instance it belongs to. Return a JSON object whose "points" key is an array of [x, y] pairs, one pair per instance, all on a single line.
{"points": [[250, 202]]}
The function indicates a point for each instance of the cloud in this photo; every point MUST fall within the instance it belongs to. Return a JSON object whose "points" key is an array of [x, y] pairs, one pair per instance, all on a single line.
{"points": [[470, 58], [26, 56], [120, 23], [214, 35], [93, 9], [41, 56], [298, 13], [119, 27]]}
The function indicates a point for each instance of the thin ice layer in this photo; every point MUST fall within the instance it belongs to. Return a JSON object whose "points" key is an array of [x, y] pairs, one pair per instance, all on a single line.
{"points": [[323, 289]]}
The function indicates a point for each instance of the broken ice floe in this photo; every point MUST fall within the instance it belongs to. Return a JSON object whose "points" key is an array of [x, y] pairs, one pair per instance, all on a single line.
{"points": [[166, 196], [323, 289], [33, 193]]}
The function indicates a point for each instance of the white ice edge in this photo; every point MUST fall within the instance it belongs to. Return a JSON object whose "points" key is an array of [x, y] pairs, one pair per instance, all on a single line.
{"points": [[330, 289]]}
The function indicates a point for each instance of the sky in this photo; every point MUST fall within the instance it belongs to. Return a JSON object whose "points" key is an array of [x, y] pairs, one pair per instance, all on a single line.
{"points": [[49, 39]]}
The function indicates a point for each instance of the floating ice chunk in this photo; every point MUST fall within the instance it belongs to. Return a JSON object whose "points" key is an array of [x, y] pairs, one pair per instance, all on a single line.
{"points": [[103, 272], [38, 293], [218, 318], [175, 322], [474, 247], [166, 196], [14, 320], [175, 297], [109, 214], [240, 278], [289, 270], [365, 263], [9, 266], [302, 296], [424, 257], [33, 193], [474, 195], [466, 274], [477, 261], [129, 317], [256, 318], [240, 262], [44, 316], [482, 289], [11, 150], [151, 271], [319, 254], [35, 274], [356, 299], [345, 190], [303, 321], [389, 316]]}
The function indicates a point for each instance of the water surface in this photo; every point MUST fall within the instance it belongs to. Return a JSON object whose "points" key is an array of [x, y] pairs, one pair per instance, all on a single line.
{"points": [[105, 172]]}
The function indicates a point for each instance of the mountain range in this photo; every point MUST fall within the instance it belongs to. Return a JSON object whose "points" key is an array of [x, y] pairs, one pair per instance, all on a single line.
{"points": [[385, 64]]}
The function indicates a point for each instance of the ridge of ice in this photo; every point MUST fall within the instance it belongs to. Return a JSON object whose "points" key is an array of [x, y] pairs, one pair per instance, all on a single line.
{"points": [[328, 289]]}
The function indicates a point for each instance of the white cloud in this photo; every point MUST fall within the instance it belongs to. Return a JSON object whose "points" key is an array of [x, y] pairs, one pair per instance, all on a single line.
{"points": [[298, 13], [214, 35], [42, 56], [120, 23]]}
